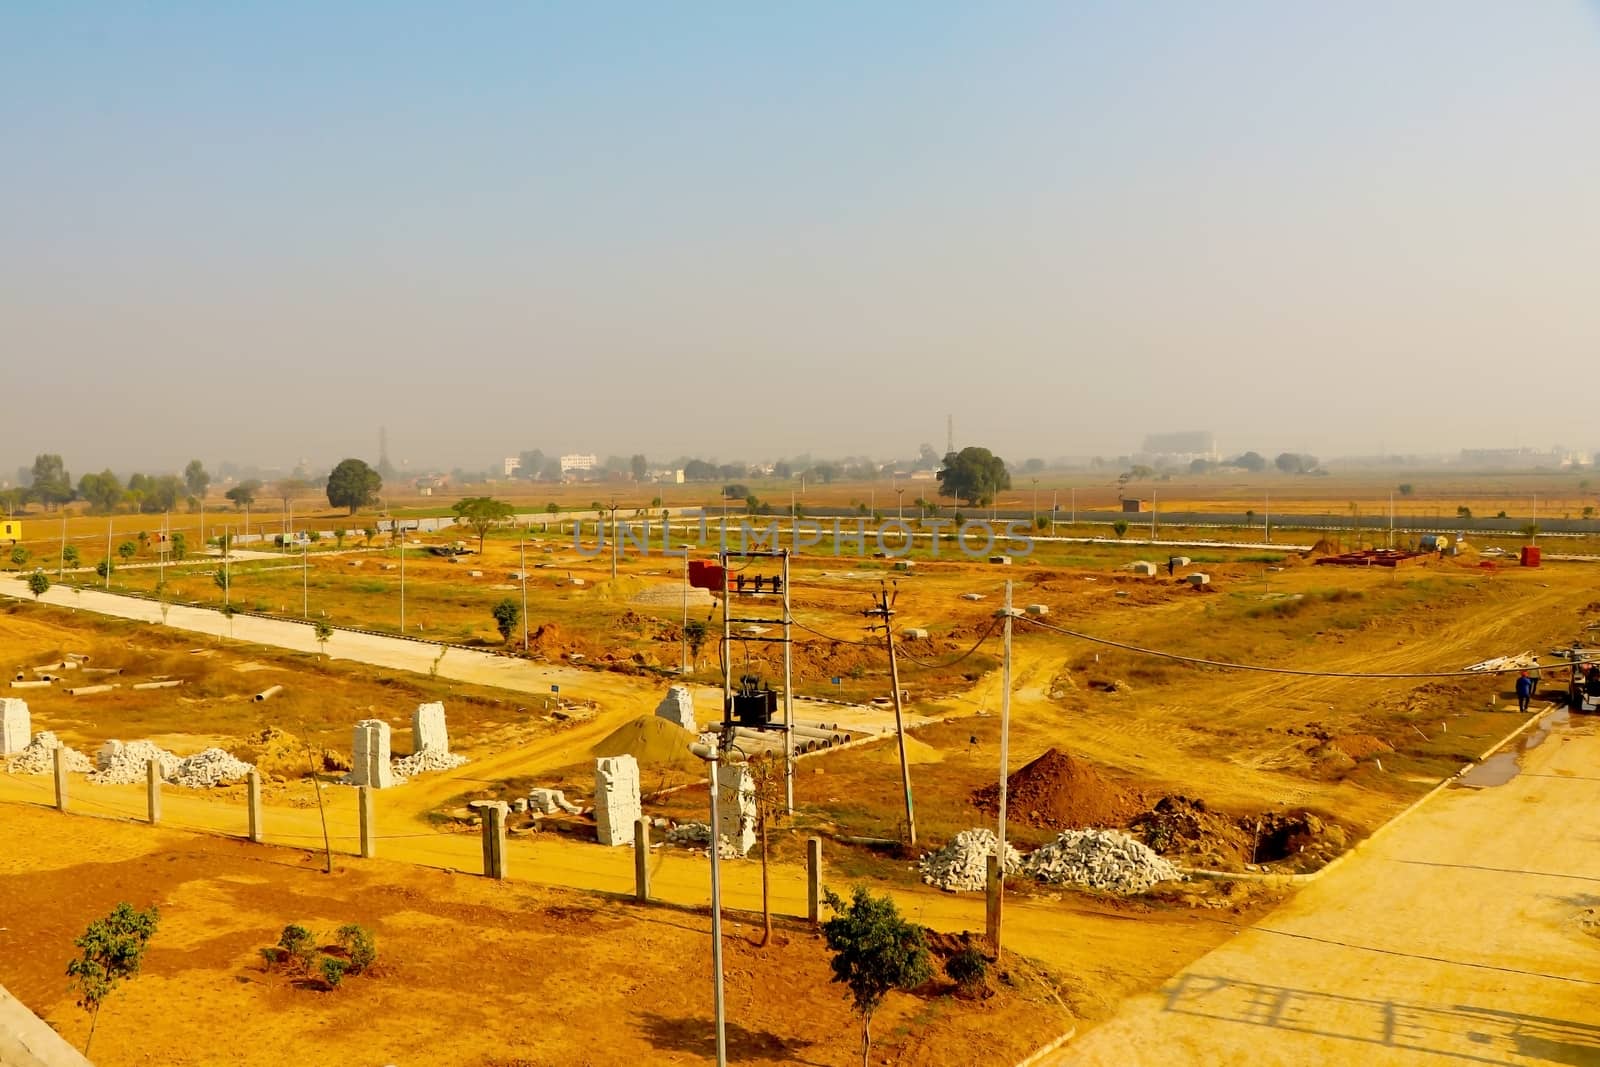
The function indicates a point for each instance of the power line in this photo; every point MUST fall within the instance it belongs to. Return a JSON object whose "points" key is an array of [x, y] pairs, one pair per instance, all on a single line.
{"points": [[1260, 669], [951, 663]]}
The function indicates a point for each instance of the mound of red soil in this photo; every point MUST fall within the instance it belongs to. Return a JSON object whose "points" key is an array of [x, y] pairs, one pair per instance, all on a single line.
{"points": [[1361, 746], [1058, 790]]}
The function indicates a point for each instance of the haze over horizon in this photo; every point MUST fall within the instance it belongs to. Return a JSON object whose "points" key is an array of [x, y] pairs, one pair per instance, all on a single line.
{"points": [[751, 232]]}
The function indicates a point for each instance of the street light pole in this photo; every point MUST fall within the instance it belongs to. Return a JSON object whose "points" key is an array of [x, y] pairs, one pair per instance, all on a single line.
{"points": [[522, 568], [402, 532], [305, 581], [710, 753]]}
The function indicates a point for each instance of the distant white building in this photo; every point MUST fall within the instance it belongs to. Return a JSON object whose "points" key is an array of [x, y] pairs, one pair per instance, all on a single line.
{"points": [[512, 465], [579, 462]]}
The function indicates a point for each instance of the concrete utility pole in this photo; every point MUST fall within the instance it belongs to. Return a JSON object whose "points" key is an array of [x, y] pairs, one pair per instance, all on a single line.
{"points": [[998, 904], [788, 692], [522, 568], [402, 533], [884, 610], [684, 633], [1036, 503], [305, 581], [900, 504], [108, 552], [1074, 492], [62, 573], [613, 540]]}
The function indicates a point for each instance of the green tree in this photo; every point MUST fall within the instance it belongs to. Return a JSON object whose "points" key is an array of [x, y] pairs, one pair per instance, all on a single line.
{"points": [[19, 556], [195, 479], [1120, 528], [1464, 512], [223, 579], [973, 475], [353, 485], [1295, 463], [359, 944], [552, 508], [38, 584], [874, 951], [69, 556], [110, 950], [1406, 488], [638, 467], [105, 568], [480, 514], [322, 631], [103, 491], [695, 631], [1254, 462], [506, 615], [51, 484], [243, 495], [128, 549], [180, 545]]}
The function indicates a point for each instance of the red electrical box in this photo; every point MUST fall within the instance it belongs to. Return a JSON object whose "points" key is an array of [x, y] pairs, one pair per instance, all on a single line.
{"points": [[703, 574], [1530, 555]]}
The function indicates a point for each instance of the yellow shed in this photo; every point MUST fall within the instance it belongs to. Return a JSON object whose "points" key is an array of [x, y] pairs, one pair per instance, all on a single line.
{"points": [[11, 529]]}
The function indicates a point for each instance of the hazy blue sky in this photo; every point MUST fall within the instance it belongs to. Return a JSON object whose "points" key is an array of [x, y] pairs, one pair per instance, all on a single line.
{"points": [[261, 231]]}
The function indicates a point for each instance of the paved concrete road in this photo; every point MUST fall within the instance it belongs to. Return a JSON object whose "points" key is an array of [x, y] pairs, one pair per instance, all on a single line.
{"points": [[1454, 938]]}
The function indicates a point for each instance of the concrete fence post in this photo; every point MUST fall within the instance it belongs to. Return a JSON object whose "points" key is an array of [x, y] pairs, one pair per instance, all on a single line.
{"points": [[494, 837], [253, 798], [994, 902], [366, 800], [641, 859], [814, 879], [61, 778], [152, 778]]}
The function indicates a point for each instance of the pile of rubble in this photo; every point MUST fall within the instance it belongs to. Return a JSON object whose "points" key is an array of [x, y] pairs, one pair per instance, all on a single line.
{"points": [[1100, 859], [429, 759], [208, 768], [962, 866], [124, 764], [698, 835], [39, 757]]}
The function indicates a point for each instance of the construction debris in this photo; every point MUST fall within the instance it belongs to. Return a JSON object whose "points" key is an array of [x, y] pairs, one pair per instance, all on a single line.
{"points": [[210, 767], [124, 764], [1108, 860], [1522, 661], [962, 866], [39, 758]]}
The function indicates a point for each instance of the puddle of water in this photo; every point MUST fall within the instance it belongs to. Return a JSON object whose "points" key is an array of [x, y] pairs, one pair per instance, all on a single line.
{"points": [[1503, 766]]}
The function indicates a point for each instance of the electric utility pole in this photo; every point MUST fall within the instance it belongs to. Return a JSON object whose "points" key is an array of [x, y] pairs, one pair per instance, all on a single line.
{"points": [[883, 610]]}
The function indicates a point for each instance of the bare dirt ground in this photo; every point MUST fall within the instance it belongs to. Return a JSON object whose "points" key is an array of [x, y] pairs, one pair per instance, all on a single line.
{"points": [[470, 971]]}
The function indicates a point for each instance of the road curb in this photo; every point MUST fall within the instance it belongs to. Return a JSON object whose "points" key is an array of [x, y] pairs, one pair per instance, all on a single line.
{"points": [[1333, 864], [1044, 1050]]}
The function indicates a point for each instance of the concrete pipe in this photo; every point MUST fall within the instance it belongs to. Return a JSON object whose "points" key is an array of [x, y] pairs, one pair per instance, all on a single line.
{"points": [[85, 690], [30, 685], [171, 684], [268, 693]]}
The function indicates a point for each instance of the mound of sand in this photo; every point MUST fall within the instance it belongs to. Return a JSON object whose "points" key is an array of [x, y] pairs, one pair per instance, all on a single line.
{"points": [[1325, 547], [917, 752], [1058, 790], [654, 742], [274, 752], [1361, 746]]}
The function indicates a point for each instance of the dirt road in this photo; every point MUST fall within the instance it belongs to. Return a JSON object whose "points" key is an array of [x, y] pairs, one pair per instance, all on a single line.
{"points": [[1460, 936]]}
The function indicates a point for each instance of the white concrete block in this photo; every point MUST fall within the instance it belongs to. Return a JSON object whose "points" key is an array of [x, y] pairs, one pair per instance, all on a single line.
{"points": [[678, 706], [16, 728], [428, 731], [369, 764], [736, 812], [616, 799]]}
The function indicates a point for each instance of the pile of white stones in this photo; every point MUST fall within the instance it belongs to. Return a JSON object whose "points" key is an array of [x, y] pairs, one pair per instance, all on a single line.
{"points": [[962, 866], [429, 759], [208, 768], [124, 764], [39, 758], [1101, 859], [698, 835]]}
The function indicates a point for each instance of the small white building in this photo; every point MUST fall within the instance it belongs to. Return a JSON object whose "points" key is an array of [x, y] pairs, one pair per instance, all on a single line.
{"points": [[579, 462]]}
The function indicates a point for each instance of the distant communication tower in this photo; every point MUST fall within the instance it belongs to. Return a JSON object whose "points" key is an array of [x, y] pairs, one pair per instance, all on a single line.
{"points": [[949, 434]]}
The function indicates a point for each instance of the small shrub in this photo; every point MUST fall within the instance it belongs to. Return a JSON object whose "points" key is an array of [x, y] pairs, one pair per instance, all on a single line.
{"points": [[333, 970], [298, 946], [967, 968], [357, 940], [271, 957]]}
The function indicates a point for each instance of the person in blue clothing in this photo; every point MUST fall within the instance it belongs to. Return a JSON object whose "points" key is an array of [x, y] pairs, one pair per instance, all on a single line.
{"points": [[1524, 691]]}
